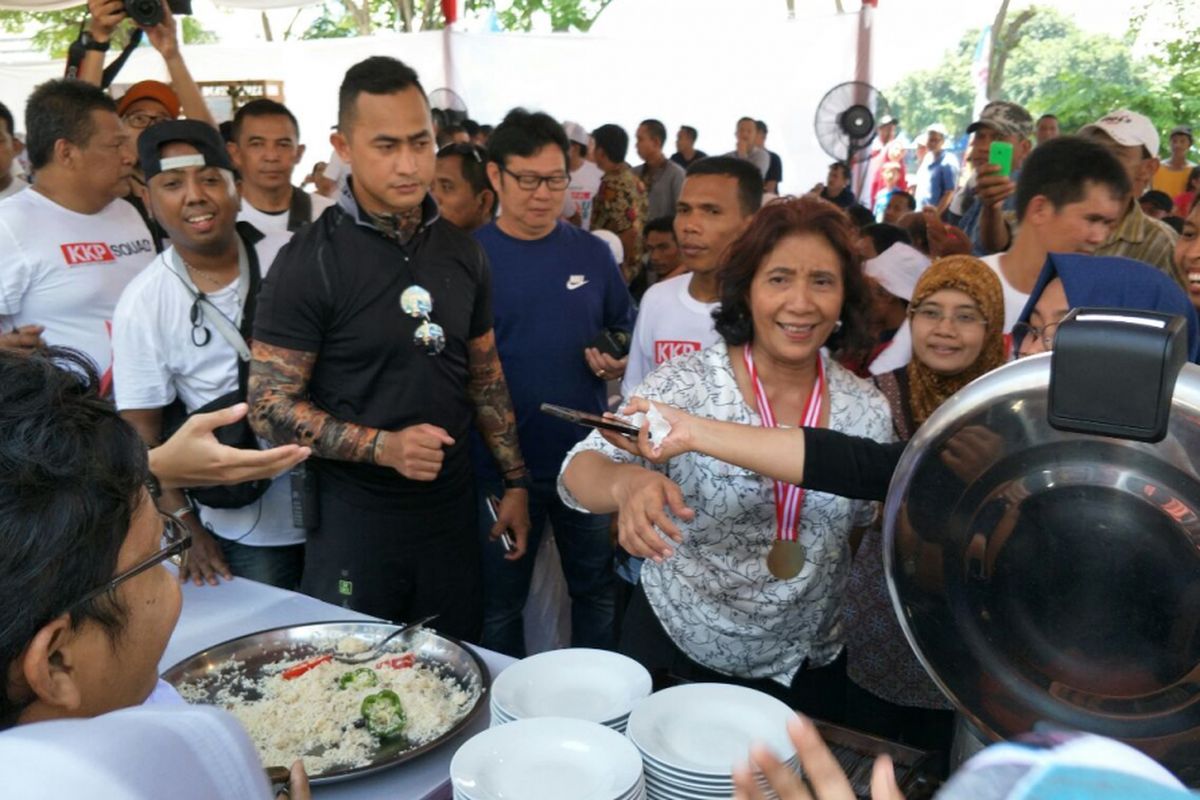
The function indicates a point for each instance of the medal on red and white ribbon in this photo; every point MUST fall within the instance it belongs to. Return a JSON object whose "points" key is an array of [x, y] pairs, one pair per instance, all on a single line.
{"points": [[787, 555]]}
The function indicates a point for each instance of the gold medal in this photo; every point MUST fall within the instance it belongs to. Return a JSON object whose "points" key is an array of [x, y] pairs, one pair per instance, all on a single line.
{"points": [[786, 559]]}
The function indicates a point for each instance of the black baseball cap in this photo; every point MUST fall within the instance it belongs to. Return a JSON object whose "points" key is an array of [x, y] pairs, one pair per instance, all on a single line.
{"points": [[205, 138]]}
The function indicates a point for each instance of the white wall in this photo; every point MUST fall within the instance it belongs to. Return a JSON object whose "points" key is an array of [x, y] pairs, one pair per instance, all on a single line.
{"points": [[705, 78]]}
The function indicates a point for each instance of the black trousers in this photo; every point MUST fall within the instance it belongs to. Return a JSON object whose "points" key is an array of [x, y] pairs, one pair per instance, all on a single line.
{"points": [[398, 564], [819, 692]]}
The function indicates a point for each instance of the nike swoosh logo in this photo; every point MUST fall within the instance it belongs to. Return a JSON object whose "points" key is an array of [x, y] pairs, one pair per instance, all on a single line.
{"points": [[571, 285]]}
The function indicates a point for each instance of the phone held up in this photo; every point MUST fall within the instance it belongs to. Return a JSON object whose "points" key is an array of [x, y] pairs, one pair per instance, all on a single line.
{"points": [[1001, 153]]}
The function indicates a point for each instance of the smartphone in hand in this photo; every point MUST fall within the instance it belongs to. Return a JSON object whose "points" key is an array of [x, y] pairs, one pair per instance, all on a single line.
{"points": [[1001, 153], [506, 539]]}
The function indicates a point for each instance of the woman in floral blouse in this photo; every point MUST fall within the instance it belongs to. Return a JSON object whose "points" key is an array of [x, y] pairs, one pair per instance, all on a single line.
{"points": [[709, 606]]}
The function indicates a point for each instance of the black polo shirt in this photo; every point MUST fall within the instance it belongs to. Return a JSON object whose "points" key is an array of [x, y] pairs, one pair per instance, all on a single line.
{"points": [[334, 290]]}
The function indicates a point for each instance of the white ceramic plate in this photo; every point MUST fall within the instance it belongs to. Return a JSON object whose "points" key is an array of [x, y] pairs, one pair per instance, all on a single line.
{"points": [[703, 729], [579, 683], [547, 758]]}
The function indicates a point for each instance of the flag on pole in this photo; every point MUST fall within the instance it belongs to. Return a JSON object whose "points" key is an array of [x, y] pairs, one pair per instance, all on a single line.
{"points": [[981, 68]]}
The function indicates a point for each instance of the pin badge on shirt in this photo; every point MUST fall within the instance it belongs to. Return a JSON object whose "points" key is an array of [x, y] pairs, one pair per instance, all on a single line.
{"points": [[416, 302]]}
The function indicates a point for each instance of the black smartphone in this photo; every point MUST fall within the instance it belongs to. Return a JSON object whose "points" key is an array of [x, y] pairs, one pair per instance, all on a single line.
{"points": [[591, 420], [613, 341], [506, 539]]}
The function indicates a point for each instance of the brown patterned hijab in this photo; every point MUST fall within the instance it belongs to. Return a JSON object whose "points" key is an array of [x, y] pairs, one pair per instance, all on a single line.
{"points": [[969, 275]]}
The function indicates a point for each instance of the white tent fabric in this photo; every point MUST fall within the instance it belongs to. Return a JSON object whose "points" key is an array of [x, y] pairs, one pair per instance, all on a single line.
{"points": [[704, 78]]}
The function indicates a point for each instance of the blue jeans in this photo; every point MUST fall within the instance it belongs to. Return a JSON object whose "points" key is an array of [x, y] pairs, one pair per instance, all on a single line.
{"points": [[277, 566], [586, 552]]}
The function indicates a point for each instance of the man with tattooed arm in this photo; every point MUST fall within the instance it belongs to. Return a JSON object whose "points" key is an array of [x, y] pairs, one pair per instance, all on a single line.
{"points": [[373, 345]]}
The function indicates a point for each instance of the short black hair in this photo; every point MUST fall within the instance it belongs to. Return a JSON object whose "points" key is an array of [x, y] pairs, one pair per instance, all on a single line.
{"points": [[1047, 116], [1159, 200], [613, 140], [1174, 222], [262, 107], [1061, 169], [659, 225], [71, 479], [374, 75], [471, 127], [7, 118], [762, 126], [860, 215], [749, 179], [523, 133], [747, 119], [226, 130], [446, 133], [842, 167], [690, 131], [61, 109], [473, 160], [911, 201], [656, 129], [884, 235]]}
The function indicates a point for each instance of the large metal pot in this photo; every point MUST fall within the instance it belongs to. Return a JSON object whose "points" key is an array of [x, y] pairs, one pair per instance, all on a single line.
{"points": [[1050, 576]]}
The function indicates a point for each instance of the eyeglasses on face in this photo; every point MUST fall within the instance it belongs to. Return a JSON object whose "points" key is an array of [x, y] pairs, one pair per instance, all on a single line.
{"points": [[530, 183], [962, 318], [175, 543], [141, 120], [1045, 334]]}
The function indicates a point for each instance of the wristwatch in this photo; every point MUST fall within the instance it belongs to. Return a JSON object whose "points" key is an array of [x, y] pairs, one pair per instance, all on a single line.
{"points": [[88, 42]]}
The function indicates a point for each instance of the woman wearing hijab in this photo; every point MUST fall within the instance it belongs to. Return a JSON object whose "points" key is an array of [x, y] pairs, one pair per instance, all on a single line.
{"points": [[957, 320]]}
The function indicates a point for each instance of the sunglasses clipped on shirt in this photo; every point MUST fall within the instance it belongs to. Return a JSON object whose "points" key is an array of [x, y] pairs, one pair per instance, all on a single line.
{"points": [[417, 302]]}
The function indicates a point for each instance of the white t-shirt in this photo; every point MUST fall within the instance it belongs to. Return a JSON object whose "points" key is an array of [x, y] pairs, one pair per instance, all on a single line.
{"points": [[66, 270], [899, 352], [14, 186], [670, 323], [155, 361], [276, 221], [581, 192]]}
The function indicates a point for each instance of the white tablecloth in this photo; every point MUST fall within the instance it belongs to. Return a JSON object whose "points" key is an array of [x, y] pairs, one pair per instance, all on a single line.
{"points": [[213, 614]]}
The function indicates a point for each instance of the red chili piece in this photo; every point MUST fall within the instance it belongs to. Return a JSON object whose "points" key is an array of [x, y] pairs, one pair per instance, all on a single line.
{"points": [[399, 662], [292, 673]]}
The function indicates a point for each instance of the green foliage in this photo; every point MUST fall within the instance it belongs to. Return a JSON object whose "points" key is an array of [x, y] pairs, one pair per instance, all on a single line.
{"points": [[565, 15], [1057, 68], [53, 31]]}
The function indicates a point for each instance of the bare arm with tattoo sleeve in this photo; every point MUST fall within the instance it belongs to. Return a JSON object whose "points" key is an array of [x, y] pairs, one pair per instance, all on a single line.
{"points": [[497, 423]]}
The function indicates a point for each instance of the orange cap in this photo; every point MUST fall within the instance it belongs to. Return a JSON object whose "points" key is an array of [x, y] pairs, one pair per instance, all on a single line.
{"points": [[150, 90]]}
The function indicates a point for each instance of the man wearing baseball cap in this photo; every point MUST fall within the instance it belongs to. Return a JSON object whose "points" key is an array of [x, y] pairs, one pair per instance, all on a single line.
{"points": [[202, 292], [1172, 174], [989, 219], [938, 171], [1132, 138], [585, 177], [886, 132]]}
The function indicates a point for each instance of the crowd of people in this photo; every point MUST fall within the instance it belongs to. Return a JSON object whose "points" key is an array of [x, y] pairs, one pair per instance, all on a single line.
{"points": [[340, 390]]}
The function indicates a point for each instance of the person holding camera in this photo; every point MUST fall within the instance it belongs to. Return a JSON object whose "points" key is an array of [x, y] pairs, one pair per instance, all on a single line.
{"points": [[557, 292], [180, 333], [373, 343]]}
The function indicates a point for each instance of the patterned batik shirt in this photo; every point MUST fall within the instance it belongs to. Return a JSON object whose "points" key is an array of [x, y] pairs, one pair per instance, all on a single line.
{"points": [[714, 595], [621, 204]]}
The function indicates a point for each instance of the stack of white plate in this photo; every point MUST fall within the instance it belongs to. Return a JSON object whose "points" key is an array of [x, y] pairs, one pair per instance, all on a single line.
{"points": [[691, 736], [548, 758], [594, 685]]}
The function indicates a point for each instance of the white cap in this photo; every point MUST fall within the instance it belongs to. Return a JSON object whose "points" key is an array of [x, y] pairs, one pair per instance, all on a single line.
{"points": [[898, 269], [1127, 128], [577, 133]]}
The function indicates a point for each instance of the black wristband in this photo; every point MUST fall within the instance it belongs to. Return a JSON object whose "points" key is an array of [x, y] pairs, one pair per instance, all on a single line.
{"points": [[524, 481], [88, 43]]}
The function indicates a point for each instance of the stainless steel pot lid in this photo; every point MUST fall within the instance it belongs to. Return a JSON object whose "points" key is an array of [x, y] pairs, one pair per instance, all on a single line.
{"points": [[1050, 576]]}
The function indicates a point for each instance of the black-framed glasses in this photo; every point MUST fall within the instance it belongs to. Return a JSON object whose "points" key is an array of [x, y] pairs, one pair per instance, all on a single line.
{"points": [[175, 543], [417, 302], [140, 120], [963, 318], [1045, 333], [200, 334], [530, 183]]}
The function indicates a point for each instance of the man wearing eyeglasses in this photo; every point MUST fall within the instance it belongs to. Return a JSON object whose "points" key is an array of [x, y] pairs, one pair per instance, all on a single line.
{"points": [[373, 343], [183, 352], [556, 288], [68, 246]]}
